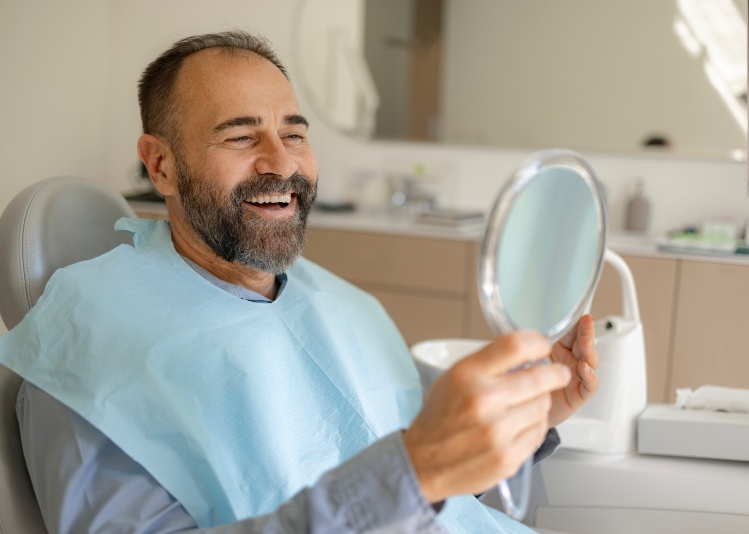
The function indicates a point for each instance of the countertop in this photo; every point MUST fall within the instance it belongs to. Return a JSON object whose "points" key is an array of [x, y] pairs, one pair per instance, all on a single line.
{"points": [[386, 222], [631, 244]]}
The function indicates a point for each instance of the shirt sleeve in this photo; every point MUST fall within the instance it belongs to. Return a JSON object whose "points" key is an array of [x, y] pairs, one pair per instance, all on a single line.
{"points": [[548, 447], [85, 483]]}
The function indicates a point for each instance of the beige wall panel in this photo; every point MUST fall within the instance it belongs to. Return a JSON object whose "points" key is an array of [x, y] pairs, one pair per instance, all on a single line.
{"points": [[712, 321], [655, 282], [414, 262], [420, 318]]}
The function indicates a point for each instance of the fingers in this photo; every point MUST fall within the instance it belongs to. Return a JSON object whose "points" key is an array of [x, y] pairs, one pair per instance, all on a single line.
{"points": [[584, 347], [522, 386], [584, 327], [515, 438], [589, 380], [523, 417], [505, 353], [584, 350], [529, 441], [476, 454]]}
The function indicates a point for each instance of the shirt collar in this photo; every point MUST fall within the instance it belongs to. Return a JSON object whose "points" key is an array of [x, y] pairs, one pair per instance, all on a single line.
{"points": [[235, 289]]}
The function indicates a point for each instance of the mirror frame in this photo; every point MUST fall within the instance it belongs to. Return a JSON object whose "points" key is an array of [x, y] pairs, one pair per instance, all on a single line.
{"points": [[488, 286]]}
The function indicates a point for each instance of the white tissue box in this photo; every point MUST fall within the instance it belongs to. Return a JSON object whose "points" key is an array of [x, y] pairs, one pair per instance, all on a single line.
{"points": [[665, 430]]}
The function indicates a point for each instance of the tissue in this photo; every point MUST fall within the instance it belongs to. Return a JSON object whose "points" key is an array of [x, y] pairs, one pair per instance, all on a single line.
{"points": [[715, 398]]}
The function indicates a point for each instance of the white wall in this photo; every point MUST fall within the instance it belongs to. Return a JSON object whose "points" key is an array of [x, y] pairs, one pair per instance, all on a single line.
{"points": [[69, 107], [56, 72], [604, 79]]}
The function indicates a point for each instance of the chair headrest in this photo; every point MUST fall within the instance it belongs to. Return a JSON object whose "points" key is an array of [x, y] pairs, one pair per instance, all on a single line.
{"points": [[52, 224]]}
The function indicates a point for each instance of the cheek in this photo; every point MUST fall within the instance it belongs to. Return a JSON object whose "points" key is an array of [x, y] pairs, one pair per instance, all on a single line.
{"points": [[308, 166], [227, 169]]}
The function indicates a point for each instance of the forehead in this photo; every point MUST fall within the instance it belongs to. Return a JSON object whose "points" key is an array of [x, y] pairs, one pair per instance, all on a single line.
{"points": [[215, 85]]}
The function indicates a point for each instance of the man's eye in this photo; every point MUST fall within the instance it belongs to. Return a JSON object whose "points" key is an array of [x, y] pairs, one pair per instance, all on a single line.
{"points": [[240, 139]]}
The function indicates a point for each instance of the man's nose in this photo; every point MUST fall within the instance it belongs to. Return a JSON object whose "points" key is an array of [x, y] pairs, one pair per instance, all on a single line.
{"points": [[274, 158]]}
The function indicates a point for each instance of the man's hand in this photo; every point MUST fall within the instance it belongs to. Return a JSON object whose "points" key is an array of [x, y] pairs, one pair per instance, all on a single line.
{"points": [[577, 351], [479, 424]]}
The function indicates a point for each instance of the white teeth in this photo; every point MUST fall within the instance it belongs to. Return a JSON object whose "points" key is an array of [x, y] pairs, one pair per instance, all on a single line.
{"points": [[265, 199]]}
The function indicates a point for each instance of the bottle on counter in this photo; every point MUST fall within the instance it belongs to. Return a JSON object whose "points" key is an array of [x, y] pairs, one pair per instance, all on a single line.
{"points": [[638, 210]]}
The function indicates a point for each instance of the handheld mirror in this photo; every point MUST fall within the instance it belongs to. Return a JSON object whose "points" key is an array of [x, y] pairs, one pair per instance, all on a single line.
{"points": [[540, 260]]}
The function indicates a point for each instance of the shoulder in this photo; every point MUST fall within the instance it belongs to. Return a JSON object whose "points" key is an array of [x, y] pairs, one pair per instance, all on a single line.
{"points": [[124, 264]]}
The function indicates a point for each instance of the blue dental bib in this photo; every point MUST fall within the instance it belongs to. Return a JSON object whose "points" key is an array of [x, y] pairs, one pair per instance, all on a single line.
{"points": [[233, 406]]}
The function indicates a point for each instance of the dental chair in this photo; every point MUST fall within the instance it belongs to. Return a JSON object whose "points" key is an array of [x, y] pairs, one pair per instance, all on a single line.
{"points": [[48, 225]]}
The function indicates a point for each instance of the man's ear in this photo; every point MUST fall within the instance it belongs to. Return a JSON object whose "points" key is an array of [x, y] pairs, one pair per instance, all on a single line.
{"points": [[158, 158]]}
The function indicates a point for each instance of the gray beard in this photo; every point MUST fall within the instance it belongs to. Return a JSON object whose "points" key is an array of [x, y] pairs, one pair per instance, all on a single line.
{"points": [[238, 235]]}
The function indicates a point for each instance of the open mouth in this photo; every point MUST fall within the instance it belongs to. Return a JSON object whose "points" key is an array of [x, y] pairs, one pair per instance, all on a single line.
{"points": [[271, 203]]}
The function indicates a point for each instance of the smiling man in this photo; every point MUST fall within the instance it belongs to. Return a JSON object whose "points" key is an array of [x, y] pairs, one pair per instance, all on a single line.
{"points": [[208, 378], [237, 170]]}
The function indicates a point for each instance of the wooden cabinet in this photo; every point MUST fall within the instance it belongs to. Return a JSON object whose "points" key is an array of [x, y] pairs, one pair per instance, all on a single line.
{"points": [[693, 313], [415, 263], [711, 322]]}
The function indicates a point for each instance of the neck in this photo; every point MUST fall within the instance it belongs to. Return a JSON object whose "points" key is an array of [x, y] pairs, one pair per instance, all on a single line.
{"points": [[189, 245]]}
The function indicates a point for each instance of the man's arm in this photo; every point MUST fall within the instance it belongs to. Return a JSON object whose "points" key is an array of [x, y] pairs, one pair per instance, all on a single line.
{"points": [[85, 483]]}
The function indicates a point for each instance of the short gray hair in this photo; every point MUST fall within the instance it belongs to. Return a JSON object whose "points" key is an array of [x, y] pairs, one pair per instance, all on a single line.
{"points": [[156, 86]]}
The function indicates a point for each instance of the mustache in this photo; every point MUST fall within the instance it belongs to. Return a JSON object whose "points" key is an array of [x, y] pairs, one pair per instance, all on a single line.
{"points": [[268, 184]]}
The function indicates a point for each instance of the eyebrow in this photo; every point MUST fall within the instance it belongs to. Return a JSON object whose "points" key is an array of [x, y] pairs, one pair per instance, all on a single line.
{"points": [[258, 121], [296, 119]]}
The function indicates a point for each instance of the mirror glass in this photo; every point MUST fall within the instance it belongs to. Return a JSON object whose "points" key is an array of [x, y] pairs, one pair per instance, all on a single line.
{"points": [[540, 260], [612, 76], [543, 246], [547, 253]]}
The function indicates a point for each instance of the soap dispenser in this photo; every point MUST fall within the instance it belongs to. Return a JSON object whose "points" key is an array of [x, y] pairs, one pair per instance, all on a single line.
{"points": [[638, 210]]}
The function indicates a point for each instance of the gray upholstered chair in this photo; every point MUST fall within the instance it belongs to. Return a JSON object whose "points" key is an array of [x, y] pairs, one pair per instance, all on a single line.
{"points": [[48, 225]]}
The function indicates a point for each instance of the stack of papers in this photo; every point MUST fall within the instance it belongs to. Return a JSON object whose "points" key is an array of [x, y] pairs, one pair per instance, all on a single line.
{"points": [[697, 243]]}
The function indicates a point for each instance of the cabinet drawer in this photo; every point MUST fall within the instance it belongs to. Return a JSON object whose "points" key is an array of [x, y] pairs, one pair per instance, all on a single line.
{"points": [[388, 260], [420, 317], [711, 325]]}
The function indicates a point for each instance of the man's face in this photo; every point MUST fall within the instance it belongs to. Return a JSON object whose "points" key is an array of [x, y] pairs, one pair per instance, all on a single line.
{"points": [[236, 234], [246, 174]]}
